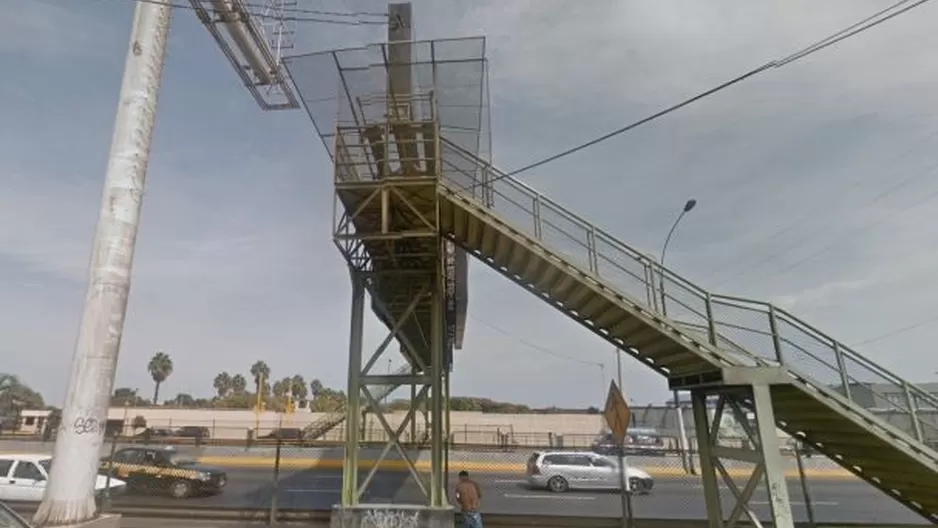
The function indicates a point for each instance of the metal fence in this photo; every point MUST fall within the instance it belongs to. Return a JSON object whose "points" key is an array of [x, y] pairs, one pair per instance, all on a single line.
{"points": [[277, 474]]}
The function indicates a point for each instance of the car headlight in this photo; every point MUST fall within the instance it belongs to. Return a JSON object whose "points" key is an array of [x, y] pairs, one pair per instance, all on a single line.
{"points": [[204, 476]]}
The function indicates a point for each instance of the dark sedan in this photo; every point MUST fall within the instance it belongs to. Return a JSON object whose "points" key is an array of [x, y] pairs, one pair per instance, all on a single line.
{"points": [[163, 470]]}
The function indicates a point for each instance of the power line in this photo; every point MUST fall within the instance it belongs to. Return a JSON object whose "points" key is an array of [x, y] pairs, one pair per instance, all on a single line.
{"points": [[734, 268], [536, 347], [813, 48], [896, 332], [734, 278], [252, 7], [837, 241]]}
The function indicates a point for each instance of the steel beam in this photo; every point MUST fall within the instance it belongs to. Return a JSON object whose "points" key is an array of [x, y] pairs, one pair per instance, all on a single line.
{"points": [[353, 419], [760, 448], [437, 343]]}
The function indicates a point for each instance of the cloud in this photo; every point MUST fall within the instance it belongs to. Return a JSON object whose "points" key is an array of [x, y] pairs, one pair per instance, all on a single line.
{"points": [[49, 30], [235, 260]]}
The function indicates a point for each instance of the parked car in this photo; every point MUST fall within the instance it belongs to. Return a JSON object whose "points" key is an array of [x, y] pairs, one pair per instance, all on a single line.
{"points": [[11, 519], [285, 433], [641, 442], [193, 431], [163, 470], [24, 478], [560, 471], [156, 432]]}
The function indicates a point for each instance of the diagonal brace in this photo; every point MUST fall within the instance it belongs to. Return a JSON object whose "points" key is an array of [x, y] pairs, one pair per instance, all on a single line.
{"points": [[394, 439], [396, 330]]}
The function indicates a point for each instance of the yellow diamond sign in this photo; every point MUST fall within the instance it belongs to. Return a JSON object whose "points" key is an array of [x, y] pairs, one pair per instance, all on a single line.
{"points": [[618, 415]]}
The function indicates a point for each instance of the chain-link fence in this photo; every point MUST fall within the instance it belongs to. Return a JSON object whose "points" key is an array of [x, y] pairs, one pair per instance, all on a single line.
{"points": [[272, 473]]}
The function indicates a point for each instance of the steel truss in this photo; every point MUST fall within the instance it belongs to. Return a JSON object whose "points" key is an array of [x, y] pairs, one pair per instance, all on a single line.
{"points": [[760, 447], [386, 177], [428, 384]]}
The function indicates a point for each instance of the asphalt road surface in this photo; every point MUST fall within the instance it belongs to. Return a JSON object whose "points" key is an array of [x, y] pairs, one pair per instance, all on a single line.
{"points": [[834, 500]]}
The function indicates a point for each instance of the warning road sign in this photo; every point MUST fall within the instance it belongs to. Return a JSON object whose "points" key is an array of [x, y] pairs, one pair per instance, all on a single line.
{"points": [[618, 415]]}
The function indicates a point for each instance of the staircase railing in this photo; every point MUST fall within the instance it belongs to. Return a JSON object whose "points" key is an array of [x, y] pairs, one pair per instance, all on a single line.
{"points": [[323, 425], [739, 326]]}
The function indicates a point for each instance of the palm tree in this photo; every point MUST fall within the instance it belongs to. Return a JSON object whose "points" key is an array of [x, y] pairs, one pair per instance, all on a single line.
{"points": [[14, 396], [298, 387], [223, 384], [159, 367], [315, 388], [238, 384], [261, 373], [280, 387]]}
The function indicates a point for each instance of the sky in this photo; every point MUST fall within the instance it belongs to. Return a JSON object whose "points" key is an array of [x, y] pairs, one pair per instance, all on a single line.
{"points": [[815, 186]]}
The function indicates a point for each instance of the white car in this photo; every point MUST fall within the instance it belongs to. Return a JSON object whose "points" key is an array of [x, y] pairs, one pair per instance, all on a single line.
{"points": [[24, 477], [560, 471]]}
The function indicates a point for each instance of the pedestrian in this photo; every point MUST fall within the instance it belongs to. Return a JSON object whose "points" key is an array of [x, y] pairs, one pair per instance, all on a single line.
{"points": [[468, 496]]}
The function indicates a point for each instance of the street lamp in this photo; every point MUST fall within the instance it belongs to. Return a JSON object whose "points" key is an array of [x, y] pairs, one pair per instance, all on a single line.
{"points": [[688, 207], [682, 432]]}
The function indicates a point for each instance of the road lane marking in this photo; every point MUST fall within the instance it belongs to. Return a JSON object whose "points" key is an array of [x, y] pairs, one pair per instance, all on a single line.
{"points": [[479, 466], [553, 496]]}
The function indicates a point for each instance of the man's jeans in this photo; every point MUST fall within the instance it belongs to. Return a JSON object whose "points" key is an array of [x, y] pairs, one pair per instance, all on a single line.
{"points": [[471, 519]]}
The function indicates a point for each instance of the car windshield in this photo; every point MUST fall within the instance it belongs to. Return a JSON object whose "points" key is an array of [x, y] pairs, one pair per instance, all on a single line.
{"points": [[46, 464]]}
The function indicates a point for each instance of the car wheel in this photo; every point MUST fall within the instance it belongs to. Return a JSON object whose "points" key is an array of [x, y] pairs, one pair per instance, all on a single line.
{"points": [[637, 487], [558, 484], [180, 489]]}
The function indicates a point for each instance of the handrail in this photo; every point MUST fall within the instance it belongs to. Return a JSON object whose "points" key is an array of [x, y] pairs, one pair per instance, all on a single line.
{"points": [[789, 334], [333, 419]]}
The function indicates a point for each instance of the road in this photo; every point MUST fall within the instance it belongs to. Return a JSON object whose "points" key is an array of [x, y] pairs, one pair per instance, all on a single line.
{"points": [[835, 500]]}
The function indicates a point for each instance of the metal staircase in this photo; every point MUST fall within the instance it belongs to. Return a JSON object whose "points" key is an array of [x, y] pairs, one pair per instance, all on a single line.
{"points": [[318, 428], [824, 393]]}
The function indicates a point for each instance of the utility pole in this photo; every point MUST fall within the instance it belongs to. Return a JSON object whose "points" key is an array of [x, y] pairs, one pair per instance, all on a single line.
{"points": [[69, 497]]}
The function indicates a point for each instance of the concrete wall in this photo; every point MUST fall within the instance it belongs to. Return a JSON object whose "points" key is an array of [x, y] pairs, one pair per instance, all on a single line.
{"points": [[573, 430], [467, 427]]}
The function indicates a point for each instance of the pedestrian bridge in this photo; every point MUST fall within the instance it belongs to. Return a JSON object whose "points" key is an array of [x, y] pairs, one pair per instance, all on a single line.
{"points": [[415, 194]]}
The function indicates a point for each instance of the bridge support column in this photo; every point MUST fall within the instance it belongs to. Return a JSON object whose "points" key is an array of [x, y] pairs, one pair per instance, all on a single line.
{"points": [[366, 392], [353, 419], [737, 437]]}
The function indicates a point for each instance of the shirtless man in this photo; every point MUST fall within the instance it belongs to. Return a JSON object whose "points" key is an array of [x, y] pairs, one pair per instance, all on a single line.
{"points": [[468, 495]]}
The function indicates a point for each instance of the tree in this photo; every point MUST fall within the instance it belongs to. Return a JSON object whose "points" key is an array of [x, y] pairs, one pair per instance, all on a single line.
{"points": [[7, 381], [298, 387], [125, 396], [139, 422], [315, 388], [16, 396], [238, 400], [260, 371], [239, 384], [184, 400], [159, 367], [280, 387], [223, 384]]}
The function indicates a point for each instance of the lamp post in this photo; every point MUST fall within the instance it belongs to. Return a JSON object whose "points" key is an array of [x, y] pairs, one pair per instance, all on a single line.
{"points": [[682, 432], [688, 207]]}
